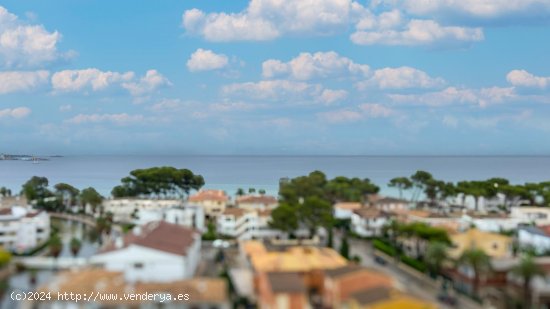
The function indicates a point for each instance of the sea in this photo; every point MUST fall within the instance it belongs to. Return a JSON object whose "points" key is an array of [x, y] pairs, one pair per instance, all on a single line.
{"points": [[264, 172]]}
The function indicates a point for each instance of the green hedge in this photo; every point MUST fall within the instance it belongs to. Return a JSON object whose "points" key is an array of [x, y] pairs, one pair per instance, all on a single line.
{"points": [[414, 263], [387, 249]]}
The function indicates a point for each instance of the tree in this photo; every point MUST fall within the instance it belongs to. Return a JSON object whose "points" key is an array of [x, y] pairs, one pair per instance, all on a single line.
{"points": [[330, 240], [284, 218], [76, 245], [480, 263], [240, 192], [527, 269], [251, 190], [261, 191], [5, 192], [401, 183], [90, 196], [436, 255], [36, 188], [420, 180], [55, 246], [344, 248], [66, 193], [315, 212], [346, 189], [5, 257], [158, 182]]}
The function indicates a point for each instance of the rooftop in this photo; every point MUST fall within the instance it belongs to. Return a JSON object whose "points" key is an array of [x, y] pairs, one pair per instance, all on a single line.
{"points": [[284, 282], [348, 205], [159, 235], [257, 199], [209, 195]]}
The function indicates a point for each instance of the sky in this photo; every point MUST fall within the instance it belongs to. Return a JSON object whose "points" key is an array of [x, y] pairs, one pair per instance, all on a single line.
{"points": [[274, 77]]}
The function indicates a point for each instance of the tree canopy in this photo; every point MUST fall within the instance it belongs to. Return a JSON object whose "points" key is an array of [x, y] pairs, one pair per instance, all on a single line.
{"points": [[159, 182]]}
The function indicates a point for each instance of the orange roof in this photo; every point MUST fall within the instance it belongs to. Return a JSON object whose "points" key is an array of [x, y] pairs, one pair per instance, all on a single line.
{"points": [[236, 212], [257, 199], [209, 195], [200, 290]]}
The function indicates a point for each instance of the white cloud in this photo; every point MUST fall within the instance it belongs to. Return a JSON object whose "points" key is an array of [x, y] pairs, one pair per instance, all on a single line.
{"points": [[477, 9], [233, 106], [330, 96], [13, 81], [522, 78], [318, 65], [453, 95], [97, 80], [401, 78], [16, 113], [149, 83], [450, 121], [268, 19], [118, 119], [206, 60], [362, 112], [419, 32], [94, 79], [279, 90], [24, 45], [65, 108]]}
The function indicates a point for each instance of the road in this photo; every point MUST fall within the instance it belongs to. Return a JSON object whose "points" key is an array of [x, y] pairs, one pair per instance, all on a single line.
{"points": [[405, 281]]}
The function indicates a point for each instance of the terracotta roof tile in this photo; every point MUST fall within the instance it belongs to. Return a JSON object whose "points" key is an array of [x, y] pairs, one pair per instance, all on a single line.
{"points": [[285, 282], [257, 199], [209, 195]]}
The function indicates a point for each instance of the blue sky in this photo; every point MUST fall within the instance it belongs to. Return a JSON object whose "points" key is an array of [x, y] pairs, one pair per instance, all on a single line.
{"points": [[385, 77]]}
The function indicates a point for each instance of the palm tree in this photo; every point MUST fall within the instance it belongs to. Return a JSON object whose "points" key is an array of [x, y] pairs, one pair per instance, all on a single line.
{"points": [[76, 245], [240, 192], [528, 270], [480, 263], [436, 255]]}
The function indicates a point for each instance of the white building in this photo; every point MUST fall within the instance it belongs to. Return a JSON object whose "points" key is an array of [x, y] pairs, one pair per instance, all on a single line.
{"points": [[535, 215], [22, 228], [368, 222], [344, 210], [126, 209], [534, 237], [246, 224], [189, 216], [257, 202], [492, 223], [391, 204], [156, 252], [213, 202]]}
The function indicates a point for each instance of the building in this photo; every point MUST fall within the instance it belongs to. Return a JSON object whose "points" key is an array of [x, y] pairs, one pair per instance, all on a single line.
{"points": [[189, 216], [492, 222], [537, 238], [246, 224], [391, 204], [345, 210], [126, 210], [282, 290], [494, 245], [368, 222], [10, 201], [204, 293], [213, 202], [22, 228], [532, 215], [342, 283], [256, 202], [156, 252]]}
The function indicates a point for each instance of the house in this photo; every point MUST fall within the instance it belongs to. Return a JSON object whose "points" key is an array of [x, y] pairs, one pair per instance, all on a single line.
{"points": [[539, 287], [345, 210], [156, 252], [189, 216], [448, 221], [23, 228], [256, 202], [386, 298], [282, 290], [340, 284], [10, 201], [368, 222], [492, 222], [391, 204], [190, 293], [493, 244], [213, 202], [534, 215], [243, 224], [126, 210], [535, 237]]}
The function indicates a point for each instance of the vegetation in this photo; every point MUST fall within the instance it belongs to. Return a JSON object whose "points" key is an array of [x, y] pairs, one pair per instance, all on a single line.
{"points": [[344, 248], [55, 246], [384, 247], [527, 269], [480, 263], [67, 194], [210, 232], [90, 196], [158, 182], [36, 191], [436, 255], [414, 263], [76, 245], [5, 257], [5, 192]]}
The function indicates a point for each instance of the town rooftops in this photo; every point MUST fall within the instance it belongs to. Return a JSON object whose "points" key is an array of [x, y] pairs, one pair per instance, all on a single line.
{"points": [[391, 200], [372, 295], [293, 259], [200, 290], [235, 212], [348, 205], [369, 213], [538, 230], [257, 199], [285, 282], [209, 195], [370, 274], [159, 235]]}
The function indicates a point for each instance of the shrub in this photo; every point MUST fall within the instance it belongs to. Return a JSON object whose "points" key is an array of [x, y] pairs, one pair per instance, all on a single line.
{"points": [[386, 248], [414, 263]]}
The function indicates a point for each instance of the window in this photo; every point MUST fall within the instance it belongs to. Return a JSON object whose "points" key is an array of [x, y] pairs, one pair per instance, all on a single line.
{"points": [[138, 265]]}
